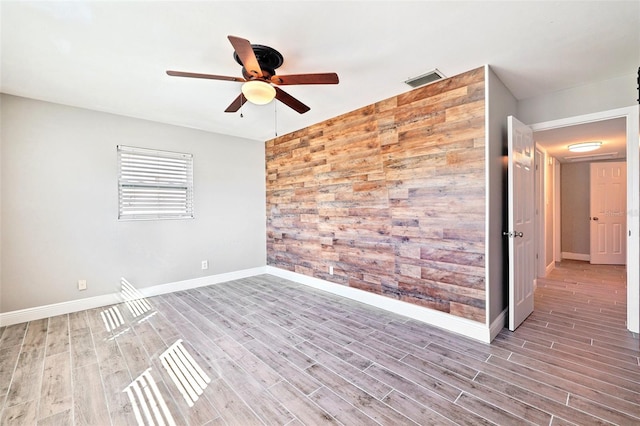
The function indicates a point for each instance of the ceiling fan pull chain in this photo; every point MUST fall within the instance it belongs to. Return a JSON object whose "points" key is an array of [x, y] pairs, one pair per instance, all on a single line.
{"points": [[275, 114], [241, 103]]}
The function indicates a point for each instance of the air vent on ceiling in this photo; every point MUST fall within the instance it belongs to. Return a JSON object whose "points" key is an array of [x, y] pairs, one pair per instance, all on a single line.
{"points": [[427, 78], [590, 157]]}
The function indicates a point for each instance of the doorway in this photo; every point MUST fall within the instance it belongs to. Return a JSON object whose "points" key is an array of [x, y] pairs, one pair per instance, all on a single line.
{"points": [[630, 147]]}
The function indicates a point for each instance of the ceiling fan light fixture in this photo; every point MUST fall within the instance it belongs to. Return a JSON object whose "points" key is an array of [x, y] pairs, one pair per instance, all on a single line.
{"points": [[258, 92], [585, 146]]}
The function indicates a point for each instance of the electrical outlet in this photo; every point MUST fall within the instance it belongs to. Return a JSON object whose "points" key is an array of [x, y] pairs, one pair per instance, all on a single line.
{"points": [[205, 264], [331, 270], [82, 284]]}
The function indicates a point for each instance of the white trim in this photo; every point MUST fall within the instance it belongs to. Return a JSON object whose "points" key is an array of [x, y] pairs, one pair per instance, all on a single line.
{"points": [[463, 326], [575, 256], [632, 116], [487, 195], [46, 311], [550, 267], [497, 326], [201, 282], [633, 223], [557, 222]]}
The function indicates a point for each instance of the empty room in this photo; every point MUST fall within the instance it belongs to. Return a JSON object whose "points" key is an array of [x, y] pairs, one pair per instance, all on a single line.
{"points": [[319, 212]]}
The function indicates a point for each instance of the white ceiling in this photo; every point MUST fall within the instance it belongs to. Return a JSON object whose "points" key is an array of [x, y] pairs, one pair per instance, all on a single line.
{"points": [[612, 133], [112, 55]]}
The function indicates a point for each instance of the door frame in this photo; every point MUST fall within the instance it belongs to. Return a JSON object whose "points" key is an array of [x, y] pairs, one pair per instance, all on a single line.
{"points": [[540, 216], [632, 116]]}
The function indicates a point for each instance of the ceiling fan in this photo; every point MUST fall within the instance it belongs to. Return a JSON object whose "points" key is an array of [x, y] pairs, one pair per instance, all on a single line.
{"points": [[259, 76]]}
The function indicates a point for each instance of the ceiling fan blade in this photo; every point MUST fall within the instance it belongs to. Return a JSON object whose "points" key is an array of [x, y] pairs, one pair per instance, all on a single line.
{"points": [[236, 104], [290, 101], [246, 54], [209, 76], [324, 78]]}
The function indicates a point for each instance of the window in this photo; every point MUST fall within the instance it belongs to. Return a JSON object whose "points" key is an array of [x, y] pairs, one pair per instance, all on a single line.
{"points": [[154, 184]]}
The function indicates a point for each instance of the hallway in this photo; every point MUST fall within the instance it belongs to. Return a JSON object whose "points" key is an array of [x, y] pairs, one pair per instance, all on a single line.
{"points": [[576, 340]]}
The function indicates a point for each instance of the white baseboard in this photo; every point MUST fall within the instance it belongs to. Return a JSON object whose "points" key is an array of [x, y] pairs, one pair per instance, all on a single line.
{"points": [[30, 314], [463, 326], [157, 290], [497, 326], [39, 312], [576, 256], [549, 269]]}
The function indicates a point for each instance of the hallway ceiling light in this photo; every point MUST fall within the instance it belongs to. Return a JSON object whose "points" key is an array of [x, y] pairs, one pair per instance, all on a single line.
{"points": [[585, 146]]}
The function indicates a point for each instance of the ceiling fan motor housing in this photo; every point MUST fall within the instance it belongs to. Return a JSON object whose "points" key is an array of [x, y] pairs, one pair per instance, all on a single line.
{"points": [[268, 58]]}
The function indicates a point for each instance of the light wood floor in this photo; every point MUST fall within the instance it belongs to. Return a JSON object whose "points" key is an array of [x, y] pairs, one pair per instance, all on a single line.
{"points": [[267, 351]]}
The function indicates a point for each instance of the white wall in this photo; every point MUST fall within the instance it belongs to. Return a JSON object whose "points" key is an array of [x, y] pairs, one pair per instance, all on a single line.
{"points": [[59, 206], [500, 104], [595, 97]]}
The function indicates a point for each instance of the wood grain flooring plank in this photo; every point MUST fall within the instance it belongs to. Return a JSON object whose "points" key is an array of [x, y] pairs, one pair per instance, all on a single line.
{"points": [[603, 412], [167, 331], [36, 336], [619, 375], [420, 390], [287, 370], [25, 413], [58, 335], [78, 321], [414, 410], [340, 409], [82, 348], [305, 410], [608, 395], [274, 329], [151, 340], [290, 353], [56, 395], [307, 330], [232, 409], [554, 408], [118, 403], [133, 352], [361, 400], [27, 378], [494, 402], [13, 335], [491, 412], [109, 356], [64, 418], [254, 394], [354, 374], [253, 365], [336, 350], [8, 361], [89, 402], [509, 372]]}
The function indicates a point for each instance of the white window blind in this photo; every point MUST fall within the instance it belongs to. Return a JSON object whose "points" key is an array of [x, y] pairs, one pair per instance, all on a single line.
{"points": [[154, 184]]}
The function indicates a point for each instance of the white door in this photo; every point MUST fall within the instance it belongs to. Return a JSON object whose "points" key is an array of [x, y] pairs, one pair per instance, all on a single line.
{"points": [[608, 214], [521, 222]]}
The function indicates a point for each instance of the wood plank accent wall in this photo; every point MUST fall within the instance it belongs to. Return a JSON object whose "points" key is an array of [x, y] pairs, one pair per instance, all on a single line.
{"points": [[391, 195]]}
